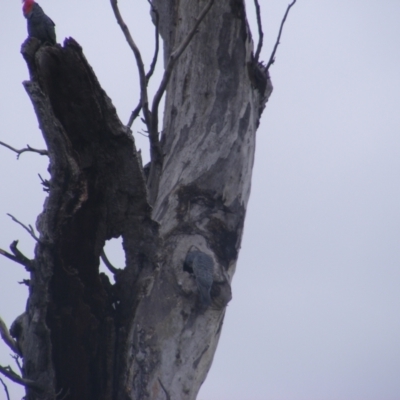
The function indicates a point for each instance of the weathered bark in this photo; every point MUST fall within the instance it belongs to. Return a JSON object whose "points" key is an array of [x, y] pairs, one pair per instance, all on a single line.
{"points": [[97, 191], [147, 336], [213, 106]]}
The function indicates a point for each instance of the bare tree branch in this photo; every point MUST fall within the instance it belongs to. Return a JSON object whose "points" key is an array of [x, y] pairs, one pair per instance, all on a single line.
{"points": [[108, 264], [7, 339], [142, 77], [5, 389], [154, 61], [134, 115], [22, 259], [10, 374], [144, 133], [28, 148], [17, 257], [272, 58], [28, 228], [16, 358], [45, 183], [260, 31], [149, 74], [151, 117], [9, 256], [170, 66]]}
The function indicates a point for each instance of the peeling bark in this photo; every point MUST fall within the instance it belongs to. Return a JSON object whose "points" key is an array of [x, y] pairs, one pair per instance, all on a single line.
{"points": [[146, 336]]}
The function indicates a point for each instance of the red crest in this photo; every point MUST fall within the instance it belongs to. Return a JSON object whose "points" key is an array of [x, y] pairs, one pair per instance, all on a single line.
{"points": [[27, 7]]}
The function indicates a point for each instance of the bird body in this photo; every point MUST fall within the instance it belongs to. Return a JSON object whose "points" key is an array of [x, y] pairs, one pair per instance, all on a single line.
{"points": [[40, 25], [202, 265]]}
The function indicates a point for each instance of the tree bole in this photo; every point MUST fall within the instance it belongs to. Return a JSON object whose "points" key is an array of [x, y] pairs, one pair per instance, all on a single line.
{"points": [[147, 336]]}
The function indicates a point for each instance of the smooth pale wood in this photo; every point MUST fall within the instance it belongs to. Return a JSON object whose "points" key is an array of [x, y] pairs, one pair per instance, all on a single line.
{"points": [[213, 106]]}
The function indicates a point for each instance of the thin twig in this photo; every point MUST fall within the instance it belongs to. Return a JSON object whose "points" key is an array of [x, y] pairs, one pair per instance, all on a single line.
{"points": [[28, 148], [136, 52], [170, 66], [154, 61], [143, 134], [16, 358], [272, 58], [10, 374], [151, 117], [28, 228], [165, 390], [5, 389], [149, 74], [45, 183], [7, 339], [107, 263], [260, 31]]}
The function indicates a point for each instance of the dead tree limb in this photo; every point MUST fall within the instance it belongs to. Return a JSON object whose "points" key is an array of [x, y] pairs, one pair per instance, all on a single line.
{"points": [[97, 192], [17, 256], [139, 62], [45, 183], [149, 74], [12, 375], [272, 57], [28, 228], [134, 114], [157, 40], [22, 259], [9, 256], [5, 389], [27, 148], [260, 31], [16, 358], [151, 117]]}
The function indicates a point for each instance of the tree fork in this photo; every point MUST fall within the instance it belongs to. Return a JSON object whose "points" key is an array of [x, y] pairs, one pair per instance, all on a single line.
{"points": [[146, 337]]}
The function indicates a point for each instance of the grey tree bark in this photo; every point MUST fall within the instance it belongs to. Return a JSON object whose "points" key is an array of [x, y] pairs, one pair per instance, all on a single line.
{"points": [[149, 336]]}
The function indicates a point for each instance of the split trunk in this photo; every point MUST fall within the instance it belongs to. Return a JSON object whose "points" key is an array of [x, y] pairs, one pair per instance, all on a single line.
{"points": [[147, 336]]}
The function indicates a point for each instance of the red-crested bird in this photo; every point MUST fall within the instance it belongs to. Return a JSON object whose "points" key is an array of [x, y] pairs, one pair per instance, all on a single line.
{"points": [[40, 25]]}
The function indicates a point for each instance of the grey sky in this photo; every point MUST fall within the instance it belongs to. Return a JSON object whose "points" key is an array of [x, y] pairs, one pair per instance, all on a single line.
{"points": [[316, 305]]}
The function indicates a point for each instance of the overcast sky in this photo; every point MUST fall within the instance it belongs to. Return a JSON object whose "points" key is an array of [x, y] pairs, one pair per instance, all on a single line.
{"points": [[315, 313]]}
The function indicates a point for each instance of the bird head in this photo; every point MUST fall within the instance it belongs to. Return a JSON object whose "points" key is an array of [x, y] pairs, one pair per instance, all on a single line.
{"points": [[27, 7]]}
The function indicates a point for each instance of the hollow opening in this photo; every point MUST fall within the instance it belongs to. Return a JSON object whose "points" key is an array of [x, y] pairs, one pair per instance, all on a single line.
{"points": [[115, 255]]}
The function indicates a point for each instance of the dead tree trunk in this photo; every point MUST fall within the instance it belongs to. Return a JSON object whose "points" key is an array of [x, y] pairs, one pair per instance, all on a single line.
{"points": [[149, 336]]}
